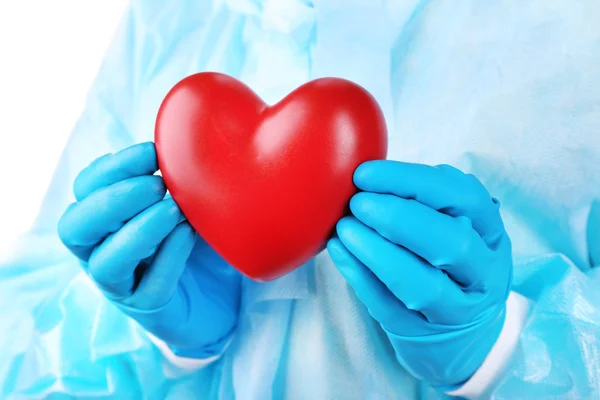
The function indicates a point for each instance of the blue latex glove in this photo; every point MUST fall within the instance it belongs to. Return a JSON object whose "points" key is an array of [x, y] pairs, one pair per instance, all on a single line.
{"points": [[427, 253], [136, 245]]}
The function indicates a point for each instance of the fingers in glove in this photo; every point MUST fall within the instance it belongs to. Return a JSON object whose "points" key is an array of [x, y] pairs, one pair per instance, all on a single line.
{"points": [[442, 188], [160, 280], [133, 161], [87, 223], [411, 279], [113, 263], [390, 312], [448, 243]]}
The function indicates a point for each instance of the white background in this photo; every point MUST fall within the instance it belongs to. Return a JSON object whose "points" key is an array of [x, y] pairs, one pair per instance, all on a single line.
{"points": [[50, 52]]}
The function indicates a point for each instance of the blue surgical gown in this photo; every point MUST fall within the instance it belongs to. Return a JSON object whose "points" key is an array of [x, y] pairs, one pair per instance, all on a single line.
{"points": [[508, 91]]}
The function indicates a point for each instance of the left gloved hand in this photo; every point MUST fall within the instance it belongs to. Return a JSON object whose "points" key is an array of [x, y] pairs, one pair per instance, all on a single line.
{"points": [[427, 253], [138, 248]]}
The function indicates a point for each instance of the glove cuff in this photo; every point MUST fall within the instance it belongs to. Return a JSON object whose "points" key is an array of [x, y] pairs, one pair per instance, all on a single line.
{"points": [[186, 363], [517, 309], [156, 324]]}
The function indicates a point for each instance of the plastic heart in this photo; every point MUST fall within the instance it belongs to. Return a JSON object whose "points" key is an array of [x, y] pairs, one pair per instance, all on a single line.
{"points": [[265, 185]]}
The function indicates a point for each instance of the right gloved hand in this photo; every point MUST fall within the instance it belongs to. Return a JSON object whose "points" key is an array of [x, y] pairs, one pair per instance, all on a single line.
{"points": [[136, 245]]}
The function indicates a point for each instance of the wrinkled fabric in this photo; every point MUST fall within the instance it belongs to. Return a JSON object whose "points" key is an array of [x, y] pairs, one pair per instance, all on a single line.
{"points": [[507, 91]]}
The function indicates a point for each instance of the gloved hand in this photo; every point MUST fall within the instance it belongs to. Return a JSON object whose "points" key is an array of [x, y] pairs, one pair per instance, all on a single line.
{"points": [[427, 253], [142, 254]]}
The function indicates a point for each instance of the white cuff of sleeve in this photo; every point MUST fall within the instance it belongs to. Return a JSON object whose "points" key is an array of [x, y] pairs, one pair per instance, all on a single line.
{"points": [[183, 363], [517, 309]]}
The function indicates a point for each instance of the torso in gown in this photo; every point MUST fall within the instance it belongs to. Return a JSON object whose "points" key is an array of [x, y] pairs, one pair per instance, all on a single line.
{"points": [[509, 92]]}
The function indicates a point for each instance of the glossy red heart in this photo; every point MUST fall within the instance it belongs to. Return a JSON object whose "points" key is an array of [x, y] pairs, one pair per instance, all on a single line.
{"points": [[265, 185]]}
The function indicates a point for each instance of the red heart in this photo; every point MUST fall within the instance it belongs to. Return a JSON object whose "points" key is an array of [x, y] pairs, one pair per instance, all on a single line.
{"points": [[265, 185]]}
